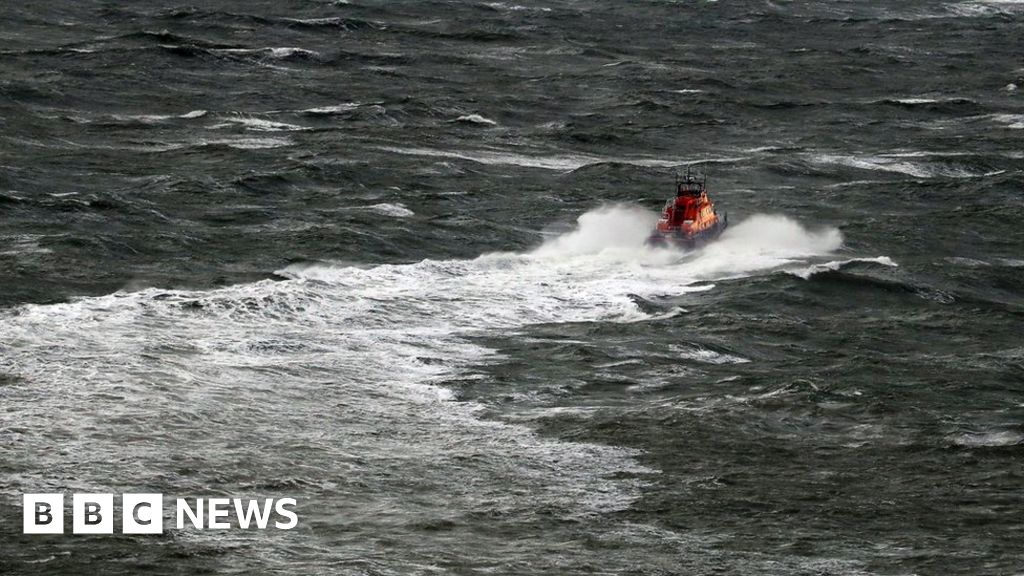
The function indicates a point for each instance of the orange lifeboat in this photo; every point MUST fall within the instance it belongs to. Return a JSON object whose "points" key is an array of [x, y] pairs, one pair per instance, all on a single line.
{"points": [[689, 220]]}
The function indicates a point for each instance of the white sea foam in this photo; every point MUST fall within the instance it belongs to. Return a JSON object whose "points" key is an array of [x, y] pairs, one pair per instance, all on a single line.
{"points": [[316, 21], [258, 124], [562, 162], [918, 100], [890, 163], [515, 7], [494, 157], [244, 143], [335, 109], [606, 228], [924, 154], [285, 52], [995, 438], [706, 356], [1012, 121], [475, 119], [986, 8], [762, 242], [270, 52], [807, 272], [141, 118], [395, 210], [341, 371], [587, 274], [967, 262], [21, 245]]}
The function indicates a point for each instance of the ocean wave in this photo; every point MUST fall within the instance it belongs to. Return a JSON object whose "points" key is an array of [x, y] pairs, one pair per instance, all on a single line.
{"points": [[705, 355], [394, 210], [331, 110], [1012, 121], [925, 154], [168, 39], [967, 262], [22, 245], [561, 162], [277, 53], [476, 119], [989, 439], [922, 101], [190, 47], [259, 124], [135, 119], [808, 272], [243, 143], [844, 273], [347, 24], [505, 6], [898, 165], [351, 111], [985, 8], [493, 157]]}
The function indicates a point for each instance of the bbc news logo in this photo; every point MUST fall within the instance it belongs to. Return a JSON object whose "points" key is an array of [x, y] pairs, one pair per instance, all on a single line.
{"points": [[143, 513]]}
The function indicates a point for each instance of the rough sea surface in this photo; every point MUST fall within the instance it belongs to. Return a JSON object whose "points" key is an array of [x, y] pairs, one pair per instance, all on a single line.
{"points": [[386, 258]]}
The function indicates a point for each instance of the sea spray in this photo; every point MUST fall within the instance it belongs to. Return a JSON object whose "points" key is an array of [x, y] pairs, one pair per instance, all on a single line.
{"points": [[608, 240], [609, 226], [774, 233]]}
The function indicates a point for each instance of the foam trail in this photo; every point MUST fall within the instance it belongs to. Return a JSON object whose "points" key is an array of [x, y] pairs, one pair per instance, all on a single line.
{"points": [[344, 360]]}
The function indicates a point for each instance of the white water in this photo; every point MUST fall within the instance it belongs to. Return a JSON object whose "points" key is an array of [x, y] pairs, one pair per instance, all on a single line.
{"points": [[561, 162], [335, 379], [809, 271]]}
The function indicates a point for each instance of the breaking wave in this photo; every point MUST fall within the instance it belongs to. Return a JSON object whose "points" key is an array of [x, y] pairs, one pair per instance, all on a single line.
{"points": [[565, 162], [836, 265]]}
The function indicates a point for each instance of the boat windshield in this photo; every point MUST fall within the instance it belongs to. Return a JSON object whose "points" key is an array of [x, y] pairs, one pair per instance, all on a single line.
{"points": [[690, 188]]}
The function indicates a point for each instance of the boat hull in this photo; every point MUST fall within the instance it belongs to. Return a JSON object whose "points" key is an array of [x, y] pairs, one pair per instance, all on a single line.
{"points": [[676, 239]]}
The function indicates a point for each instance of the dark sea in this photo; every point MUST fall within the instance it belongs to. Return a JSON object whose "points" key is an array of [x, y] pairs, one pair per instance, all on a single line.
{"points": [[387, 258]]}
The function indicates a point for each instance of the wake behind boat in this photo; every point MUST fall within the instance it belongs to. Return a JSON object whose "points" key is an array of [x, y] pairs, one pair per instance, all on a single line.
{"points": [[689, 220]]}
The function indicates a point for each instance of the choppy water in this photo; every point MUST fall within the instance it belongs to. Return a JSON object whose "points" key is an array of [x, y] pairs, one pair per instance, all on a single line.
{"points": [[387, 258]]}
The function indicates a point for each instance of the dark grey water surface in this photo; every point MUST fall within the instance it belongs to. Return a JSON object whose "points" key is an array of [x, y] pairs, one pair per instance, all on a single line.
{"points": [[386, 258]]}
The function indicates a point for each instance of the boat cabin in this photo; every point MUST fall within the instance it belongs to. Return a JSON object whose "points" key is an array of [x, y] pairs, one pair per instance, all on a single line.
{"points": [[690, 209]]}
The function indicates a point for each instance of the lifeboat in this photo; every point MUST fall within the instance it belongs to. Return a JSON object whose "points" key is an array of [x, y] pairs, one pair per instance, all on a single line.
{"points": [[689, 220]]}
